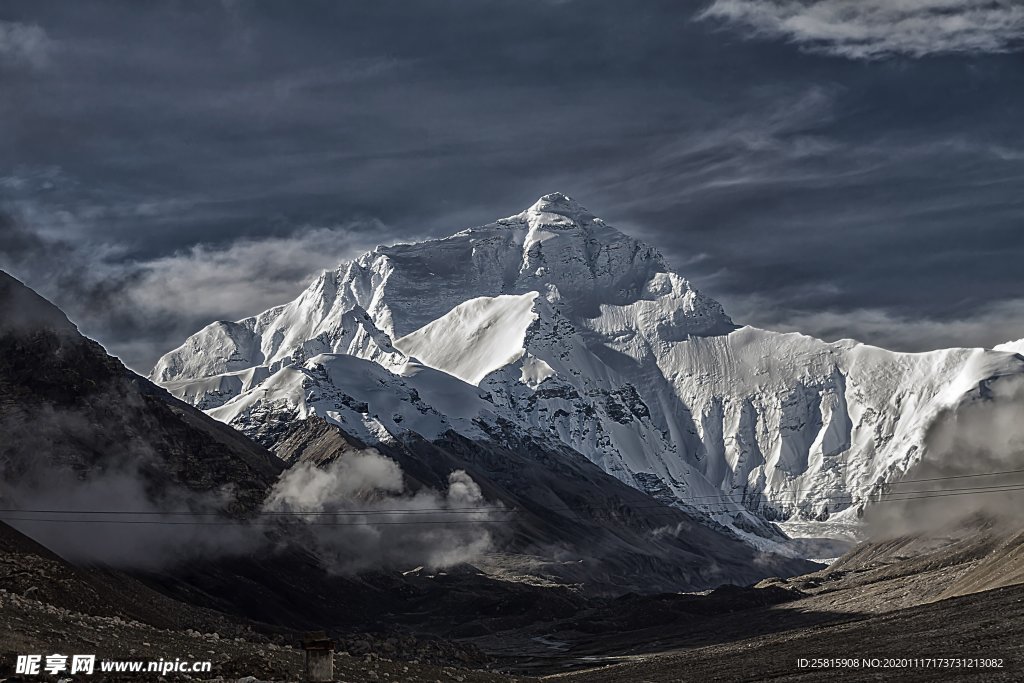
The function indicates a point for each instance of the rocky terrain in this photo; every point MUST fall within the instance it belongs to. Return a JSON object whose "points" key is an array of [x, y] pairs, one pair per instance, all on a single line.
{"points": [[978, 626], [906, 597], [48, 605], [66, 405], [952, 594], [34, 626], [568, 522]]}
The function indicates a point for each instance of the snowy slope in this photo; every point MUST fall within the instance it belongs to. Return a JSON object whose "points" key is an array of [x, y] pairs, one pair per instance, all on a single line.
{"points": [[1012, 347], [554, 323], [321, 320], [475, 338], [366, 399]]}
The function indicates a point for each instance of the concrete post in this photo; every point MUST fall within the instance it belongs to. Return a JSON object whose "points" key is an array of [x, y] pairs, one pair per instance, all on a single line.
{"points": [[319, 657]]}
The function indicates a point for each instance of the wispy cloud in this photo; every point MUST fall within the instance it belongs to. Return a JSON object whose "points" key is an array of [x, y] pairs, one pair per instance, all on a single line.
{"points": [[999, 320], [242, 277], [874, 29], [24, 44], [776, 144], [139, 308]]}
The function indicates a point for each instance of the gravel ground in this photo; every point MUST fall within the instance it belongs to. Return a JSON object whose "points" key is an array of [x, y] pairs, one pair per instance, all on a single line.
{"points": [[34, 627]]}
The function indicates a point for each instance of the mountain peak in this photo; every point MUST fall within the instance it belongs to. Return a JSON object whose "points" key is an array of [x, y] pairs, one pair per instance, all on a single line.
{"points": [[559, 204], [574, 332], [1012, 347], [556, 250]]}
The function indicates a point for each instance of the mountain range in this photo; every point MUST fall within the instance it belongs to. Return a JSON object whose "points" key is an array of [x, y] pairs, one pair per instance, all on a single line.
{"points": [[552, 326], [82, 434], [521, 477]]}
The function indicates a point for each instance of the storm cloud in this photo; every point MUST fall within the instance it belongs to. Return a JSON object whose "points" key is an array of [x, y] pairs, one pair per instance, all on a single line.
{"points": [[168, 164]]}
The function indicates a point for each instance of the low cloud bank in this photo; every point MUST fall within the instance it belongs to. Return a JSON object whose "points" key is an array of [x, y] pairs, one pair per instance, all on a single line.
{"points": [[359, 515], [982, 439], [113, 516], [355, 514]]}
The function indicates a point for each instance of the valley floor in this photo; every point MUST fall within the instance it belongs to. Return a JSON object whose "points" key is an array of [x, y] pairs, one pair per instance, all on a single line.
{"points": [[982, 625], [959, 596]]}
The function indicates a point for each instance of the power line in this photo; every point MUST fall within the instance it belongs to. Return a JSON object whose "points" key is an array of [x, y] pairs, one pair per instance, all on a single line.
{"points": [[164, 522], [272, 513], [159, 522], [739, 507], [724, 497]]}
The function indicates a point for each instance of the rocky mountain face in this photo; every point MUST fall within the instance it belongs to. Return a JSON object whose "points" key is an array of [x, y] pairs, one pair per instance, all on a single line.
{"points": [[69, 410], [568, 522], [553, 324]]}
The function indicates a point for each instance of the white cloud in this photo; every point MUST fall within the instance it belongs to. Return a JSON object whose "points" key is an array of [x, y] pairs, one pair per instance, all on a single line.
{"points": [[379, 523], [873, 29], [244, 277], [139, 308], [24, 44]]}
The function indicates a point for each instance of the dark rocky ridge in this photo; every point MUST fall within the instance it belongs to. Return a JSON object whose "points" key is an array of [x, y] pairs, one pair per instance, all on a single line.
{"points": [[64, 402], [609, 538]]}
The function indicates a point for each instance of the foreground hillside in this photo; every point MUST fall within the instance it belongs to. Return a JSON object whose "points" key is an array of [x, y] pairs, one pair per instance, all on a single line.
{"points": [[48, 605], [978, 626], [69, 410]]}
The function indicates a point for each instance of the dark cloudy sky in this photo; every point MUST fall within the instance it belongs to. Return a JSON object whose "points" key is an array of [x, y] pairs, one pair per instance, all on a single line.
{"points": [[843, 167]]}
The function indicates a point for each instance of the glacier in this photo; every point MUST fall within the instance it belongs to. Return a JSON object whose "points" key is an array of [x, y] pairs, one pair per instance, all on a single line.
{"points": [[553, 323]]}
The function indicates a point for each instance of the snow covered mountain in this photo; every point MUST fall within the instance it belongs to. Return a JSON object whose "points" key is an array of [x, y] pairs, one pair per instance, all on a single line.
{"points": [[1012, 347], [554, 324], [80, 431]]}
